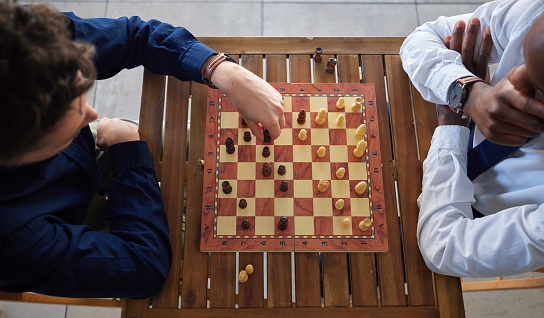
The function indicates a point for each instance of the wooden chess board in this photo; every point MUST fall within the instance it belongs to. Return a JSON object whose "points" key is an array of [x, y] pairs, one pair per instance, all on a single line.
{"points": [[314, 224]]}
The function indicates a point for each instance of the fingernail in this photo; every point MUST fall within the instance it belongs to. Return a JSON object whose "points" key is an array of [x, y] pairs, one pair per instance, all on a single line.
{"points": [[459, 24], [473, 21], [487, 31]]}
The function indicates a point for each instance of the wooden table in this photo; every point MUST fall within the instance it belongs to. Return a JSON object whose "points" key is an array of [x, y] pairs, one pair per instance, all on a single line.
{"points": [[342, 284]]}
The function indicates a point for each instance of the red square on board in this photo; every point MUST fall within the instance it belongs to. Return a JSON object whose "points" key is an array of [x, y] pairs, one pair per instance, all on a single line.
{"points": [[300, 103], [290, 230], [240, 230], [283, 153], [338, 137], [323, 225], [226, 206], [280, 194], [226, 104], [345, 211], [246, 188], [337, 165], [259, 171], [264, 206], [304, 207], [302, 170], [353, 194], [297, 141], [353, 120], [246, 153], [311, 117]]}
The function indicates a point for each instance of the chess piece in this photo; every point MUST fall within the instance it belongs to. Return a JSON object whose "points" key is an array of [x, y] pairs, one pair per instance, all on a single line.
{"points": [[266, 152], [321, 152], [242, 277], [360, 150], [242, 204], [340, 120], [322, 185], [245, 224], [247, 136], [281, 170], [360, 132], [331, 64], [339, 205], [266, 135], [229, 143], [267, 170], [301, 119], [357, 105], [282, 224], [283, 186], [340, 173], [341, 103], [365, 224], [244, 122], [249, 269], [317, 56], [227, 188], [320, 119], [345, 223], [302, 134], [360, 187]]}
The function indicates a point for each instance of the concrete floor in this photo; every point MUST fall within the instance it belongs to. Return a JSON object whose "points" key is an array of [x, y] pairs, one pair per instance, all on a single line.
{"points": [[120, 96]]}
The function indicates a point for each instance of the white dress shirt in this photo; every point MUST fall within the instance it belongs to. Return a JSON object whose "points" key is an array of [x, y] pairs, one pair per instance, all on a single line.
{"points": [[514, 187], [508, 242]]}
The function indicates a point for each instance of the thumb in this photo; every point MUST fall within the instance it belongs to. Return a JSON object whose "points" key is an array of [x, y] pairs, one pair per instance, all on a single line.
{"points": [[521, 81]]}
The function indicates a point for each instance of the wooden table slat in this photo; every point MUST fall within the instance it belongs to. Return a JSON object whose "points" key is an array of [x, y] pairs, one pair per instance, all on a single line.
{"points": [[173, 184], [279, 278], [418, 276], [195, 278]]}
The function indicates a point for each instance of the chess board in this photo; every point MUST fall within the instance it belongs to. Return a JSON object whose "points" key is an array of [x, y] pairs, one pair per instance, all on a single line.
{"points": [[314, 224]]}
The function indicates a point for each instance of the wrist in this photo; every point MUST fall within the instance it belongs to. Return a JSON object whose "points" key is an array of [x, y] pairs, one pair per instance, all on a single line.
{"points": [[211, 65], [472, 99]]}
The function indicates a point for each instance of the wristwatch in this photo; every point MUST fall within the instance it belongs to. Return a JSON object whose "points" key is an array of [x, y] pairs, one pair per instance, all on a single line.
{"points": [[208, 70], [458, 92]]}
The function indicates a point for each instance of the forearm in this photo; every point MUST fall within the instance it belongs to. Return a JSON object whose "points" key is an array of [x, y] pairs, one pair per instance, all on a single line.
{"points": [[126, 43]]}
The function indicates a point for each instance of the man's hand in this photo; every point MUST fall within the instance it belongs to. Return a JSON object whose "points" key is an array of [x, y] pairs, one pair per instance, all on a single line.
{"points": [[257, 101], [113, 131]]}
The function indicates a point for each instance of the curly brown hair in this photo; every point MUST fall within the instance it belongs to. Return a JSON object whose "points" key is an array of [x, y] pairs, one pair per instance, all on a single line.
{"points": [[39, 62]]}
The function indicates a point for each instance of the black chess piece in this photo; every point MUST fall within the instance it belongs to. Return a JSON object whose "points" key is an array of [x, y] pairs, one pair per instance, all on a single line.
{"points": [[266, 134], [247, 136], [301, 119], [281, 170], [242, 204], [244, 122], [283, 186], [229, 143], [245, 224], [266, 152], [267, 170], [282, 224], [227, 188], [317, 56]]}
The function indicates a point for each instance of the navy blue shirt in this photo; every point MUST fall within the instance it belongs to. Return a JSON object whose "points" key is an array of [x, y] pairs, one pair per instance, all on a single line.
{"points": [[44, 247]]}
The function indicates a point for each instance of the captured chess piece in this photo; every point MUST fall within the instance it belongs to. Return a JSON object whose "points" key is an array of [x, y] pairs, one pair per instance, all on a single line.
{"points": [[227, 188], [245, 224], [340, 172], [321, 115], [345, 223], [340, 120], [321, 152], [282, 224], [281, 170], [360, 150], [357, 105], [360, 132], [360, 187], [266, 152], [322, 185], [317, 56], [229, 143], [365, 224], [266, 134], [331, 64], [242, 277], [249, 269], [247, 136], [242, 204], [341, 103], [267, 170], [339, 205], [301, 119], [283, 186], [302, 134], [244, 122]]}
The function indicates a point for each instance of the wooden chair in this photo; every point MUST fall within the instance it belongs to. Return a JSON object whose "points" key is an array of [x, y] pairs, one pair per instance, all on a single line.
{"points": [[343, 284]]}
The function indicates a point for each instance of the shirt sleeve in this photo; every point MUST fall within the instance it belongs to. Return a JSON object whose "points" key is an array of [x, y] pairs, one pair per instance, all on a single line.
{"points": [[133, 260], [432, 67], [130, 42], [452, 242]]}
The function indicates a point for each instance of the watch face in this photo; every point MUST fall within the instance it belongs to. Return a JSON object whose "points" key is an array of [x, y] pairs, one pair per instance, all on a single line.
{"points": [[454, 96]]}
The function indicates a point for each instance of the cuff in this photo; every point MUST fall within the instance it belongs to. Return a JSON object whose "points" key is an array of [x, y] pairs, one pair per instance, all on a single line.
{"points": [[444, 78], [194, 59], [132, 154], [451, 137]]}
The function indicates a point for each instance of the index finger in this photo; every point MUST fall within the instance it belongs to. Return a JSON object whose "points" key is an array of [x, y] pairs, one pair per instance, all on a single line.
{"points": [[484, 53]]}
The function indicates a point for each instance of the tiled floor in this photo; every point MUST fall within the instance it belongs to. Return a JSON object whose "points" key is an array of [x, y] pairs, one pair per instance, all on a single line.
{"points": [[119, 97]]}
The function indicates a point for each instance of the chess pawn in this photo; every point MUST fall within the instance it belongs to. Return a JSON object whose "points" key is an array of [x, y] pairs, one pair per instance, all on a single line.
{"points": [[357, 105], [242, 277], [266, 134], [340, 173], [360, 150], [283, 223], [244, 122], [339, 205], [267, 170], [227, 188], [242, 204], [320, 119], [301, 119], [245, 224], [331, 64], [247, 136], [345, 223], [249, 269], [360, 132], [281, 170], [266, 152], [283, 186], [341, 103], [302, 134], [229, 143], [321, 152], [365, 224], [317, 56], [360, 187], [340, 120], [322, 185]]}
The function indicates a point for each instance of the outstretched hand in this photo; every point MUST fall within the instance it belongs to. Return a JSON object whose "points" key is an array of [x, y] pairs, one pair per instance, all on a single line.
{"points": [[257, 101]]}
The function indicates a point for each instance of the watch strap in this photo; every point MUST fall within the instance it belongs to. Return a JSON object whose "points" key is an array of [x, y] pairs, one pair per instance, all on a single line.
{"points": [[208, 70], [469, 80]]}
